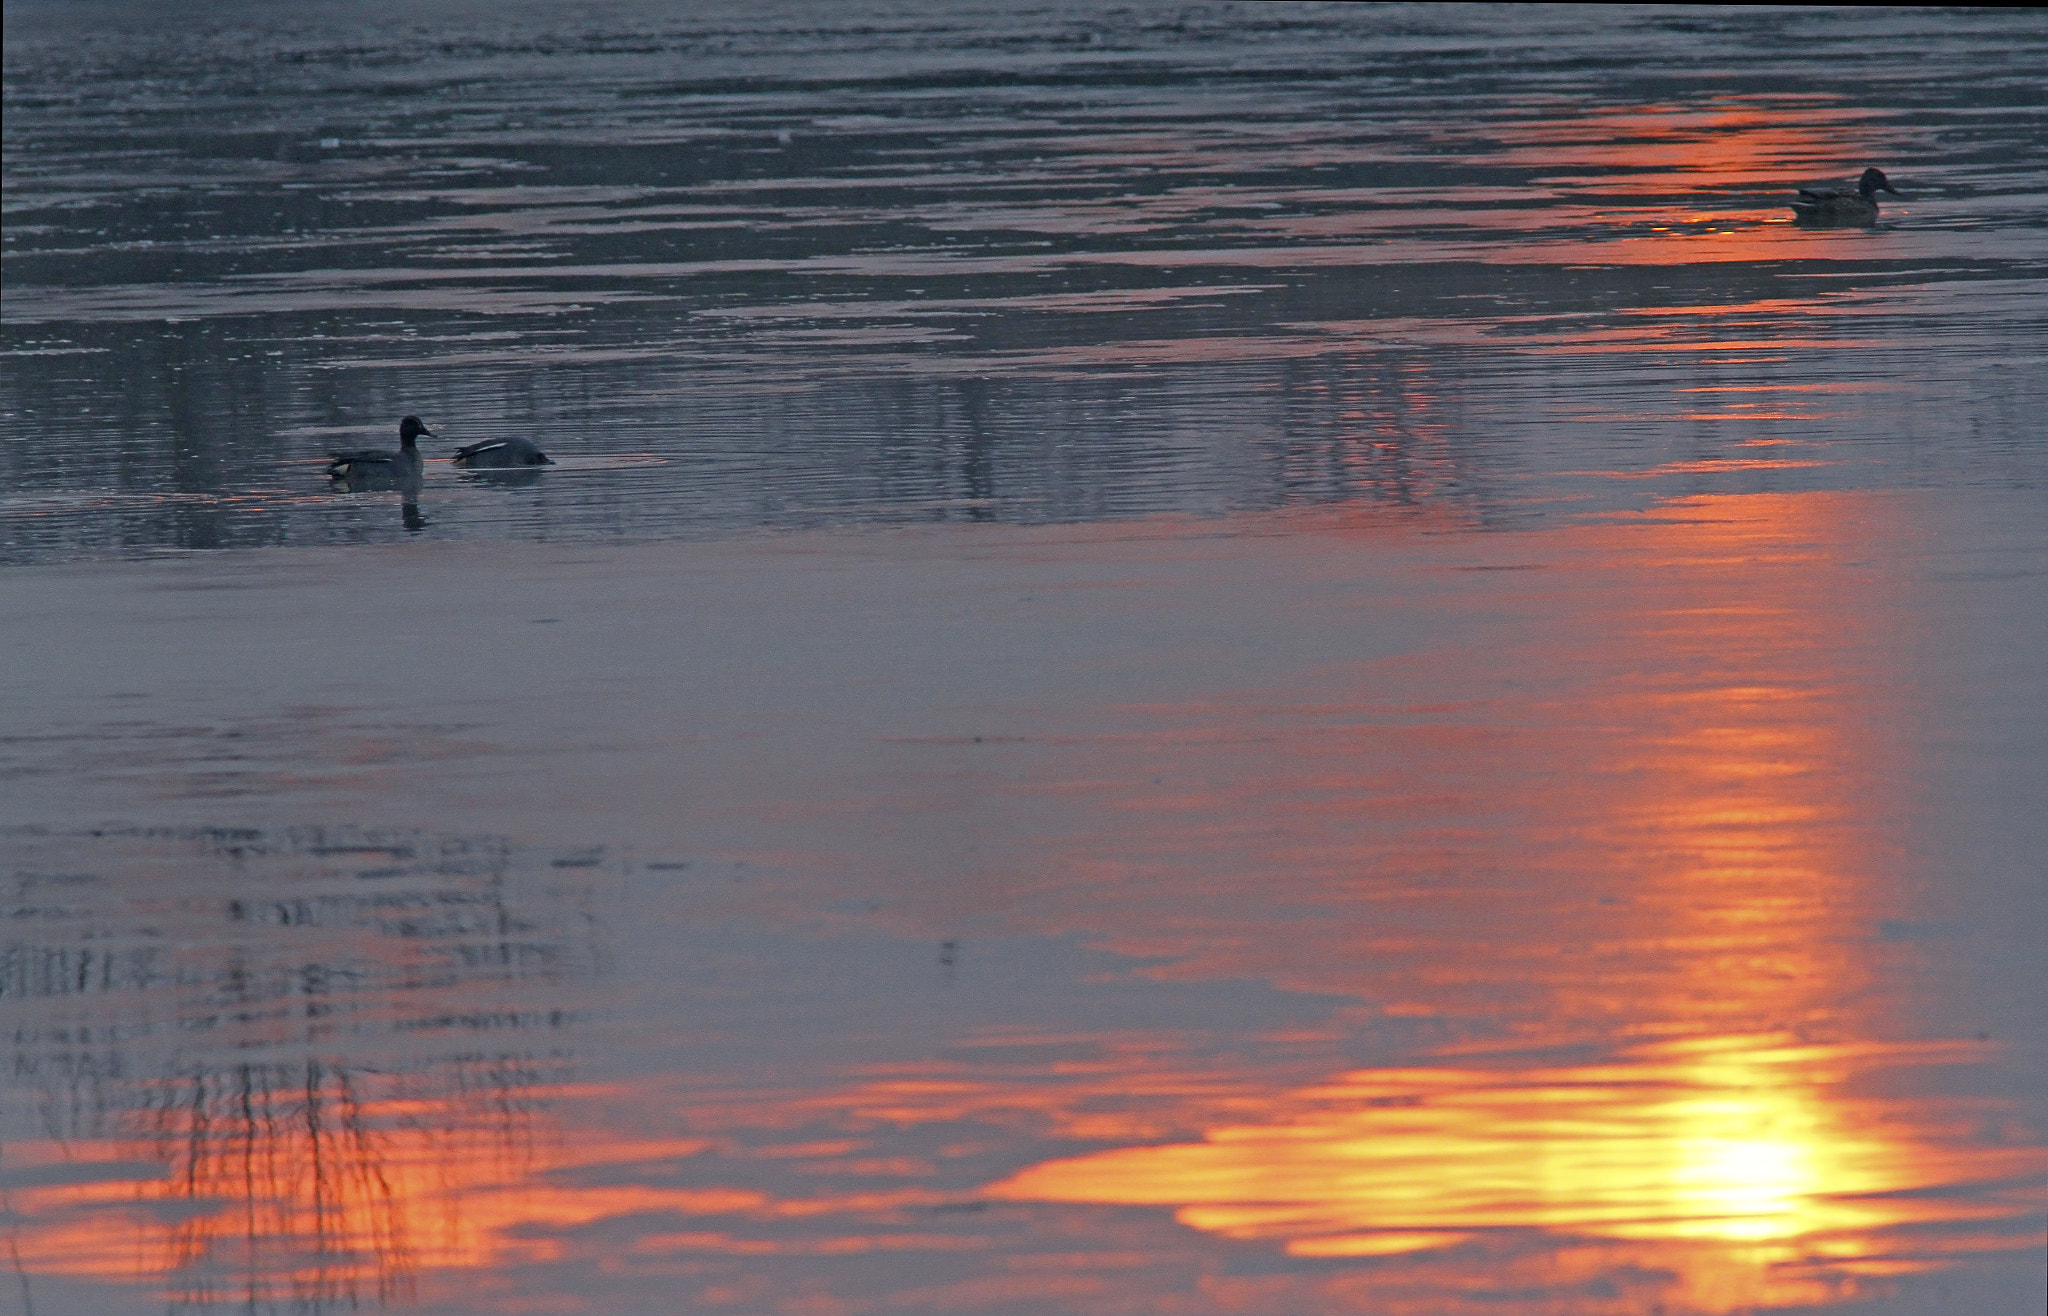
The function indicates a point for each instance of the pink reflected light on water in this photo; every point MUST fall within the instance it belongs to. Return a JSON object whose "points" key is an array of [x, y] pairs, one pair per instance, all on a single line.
{"points": [[1636, 898]]}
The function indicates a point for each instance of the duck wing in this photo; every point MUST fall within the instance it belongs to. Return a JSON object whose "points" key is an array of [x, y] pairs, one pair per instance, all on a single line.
{"points": [[371, 459], [341, 463]]}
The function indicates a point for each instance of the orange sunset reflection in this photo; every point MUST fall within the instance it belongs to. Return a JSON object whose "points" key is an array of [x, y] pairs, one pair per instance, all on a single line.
{"points": [[1727, 1160], [1646, 185], [317, 1183], [1535, 965], [1671, 871]]}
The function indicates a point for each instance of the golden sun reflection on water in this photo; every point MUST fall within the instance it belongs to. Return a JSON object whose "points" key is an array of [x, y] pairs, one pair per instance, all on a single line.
{"points": [[1599, 897], [1733, 1161], [1695, 834]]}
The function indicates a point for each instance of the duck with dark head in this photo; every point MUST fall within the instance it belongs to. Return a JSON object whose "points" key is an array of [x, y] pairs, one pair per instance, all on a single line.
{"points": [[380, 467], [1839, 207]]}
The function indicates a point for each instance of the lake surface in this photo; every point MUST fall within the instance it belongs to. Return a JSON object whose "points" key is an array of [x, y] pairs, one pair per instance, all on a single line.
{"points": [[1196, 658]]}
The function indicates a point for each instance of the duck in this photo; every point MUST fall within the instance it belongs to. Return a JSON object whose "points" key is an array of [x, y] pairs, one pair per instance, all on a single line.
{"points": [[500, 453], [374, 463], [1832, 207]]}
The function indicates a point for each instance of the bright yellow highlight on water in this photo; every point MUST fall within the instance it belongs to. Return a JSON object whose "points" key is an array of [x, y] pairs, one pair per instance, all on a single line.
{"points": [[1732, 1141]]}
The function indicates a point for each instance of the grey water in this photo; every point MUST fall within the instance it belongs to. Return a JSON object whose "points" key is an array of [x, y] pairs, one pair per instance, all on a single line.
{"points": [[904, 263], [1203, 657]]}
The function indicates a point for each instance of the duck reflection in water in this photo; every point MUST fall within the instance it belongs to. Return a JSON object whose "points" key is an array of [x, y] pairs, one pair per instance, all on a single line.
{"points": [[511, 477], [407, 485]]}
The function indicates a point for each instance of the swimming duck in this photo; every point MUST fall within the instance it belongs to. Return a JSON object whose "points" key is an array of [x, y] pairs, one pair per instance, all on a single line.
{"points": [[1832, 207], [374, 463], [502, 452]]}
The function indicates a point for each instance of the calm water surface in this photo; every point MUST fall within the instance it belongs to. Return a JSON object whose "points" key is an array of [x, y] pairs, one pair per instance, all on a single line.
{"points": [[1192, 658]]}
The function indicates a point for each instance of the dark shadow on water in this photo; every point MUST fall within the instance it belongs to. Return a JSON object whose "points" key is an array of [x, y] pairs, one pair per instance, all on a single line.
{"points": [[508, 478]]}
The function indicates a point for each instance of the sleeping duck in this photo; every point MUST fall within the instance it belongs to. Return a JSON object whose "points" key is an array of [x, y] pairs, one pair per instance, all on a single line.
{"points": [[500, 453]]}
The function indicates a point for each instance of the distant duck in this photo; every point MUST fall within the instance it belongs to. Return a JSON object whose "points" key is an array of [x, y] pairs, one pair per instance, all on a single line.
{"points": [[499, 453], [1831, 207], [375, 463]]}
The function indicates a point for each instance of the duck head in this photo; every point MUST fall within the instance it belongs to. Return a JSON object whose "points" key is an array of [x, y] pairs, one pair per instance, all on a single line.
{"points": [[410, 428], [1873, 180]]}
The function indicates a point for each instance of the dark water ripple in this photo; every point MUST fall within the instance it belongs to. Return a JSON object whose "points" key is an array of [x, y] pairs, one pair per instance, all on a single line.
{"points": [[916, 262]]}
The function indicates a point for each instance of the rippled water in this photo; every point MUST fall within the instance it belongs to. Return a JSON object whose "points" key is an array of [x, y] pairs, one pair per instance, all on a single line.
{"points": [[915, 263], [1201, 658]]}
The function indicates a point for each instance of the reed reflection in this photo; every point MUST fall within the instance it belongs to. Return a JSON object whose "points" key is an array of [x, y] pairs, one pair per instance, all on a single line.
{"points": [[295, 1086], [1360, 426]]}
